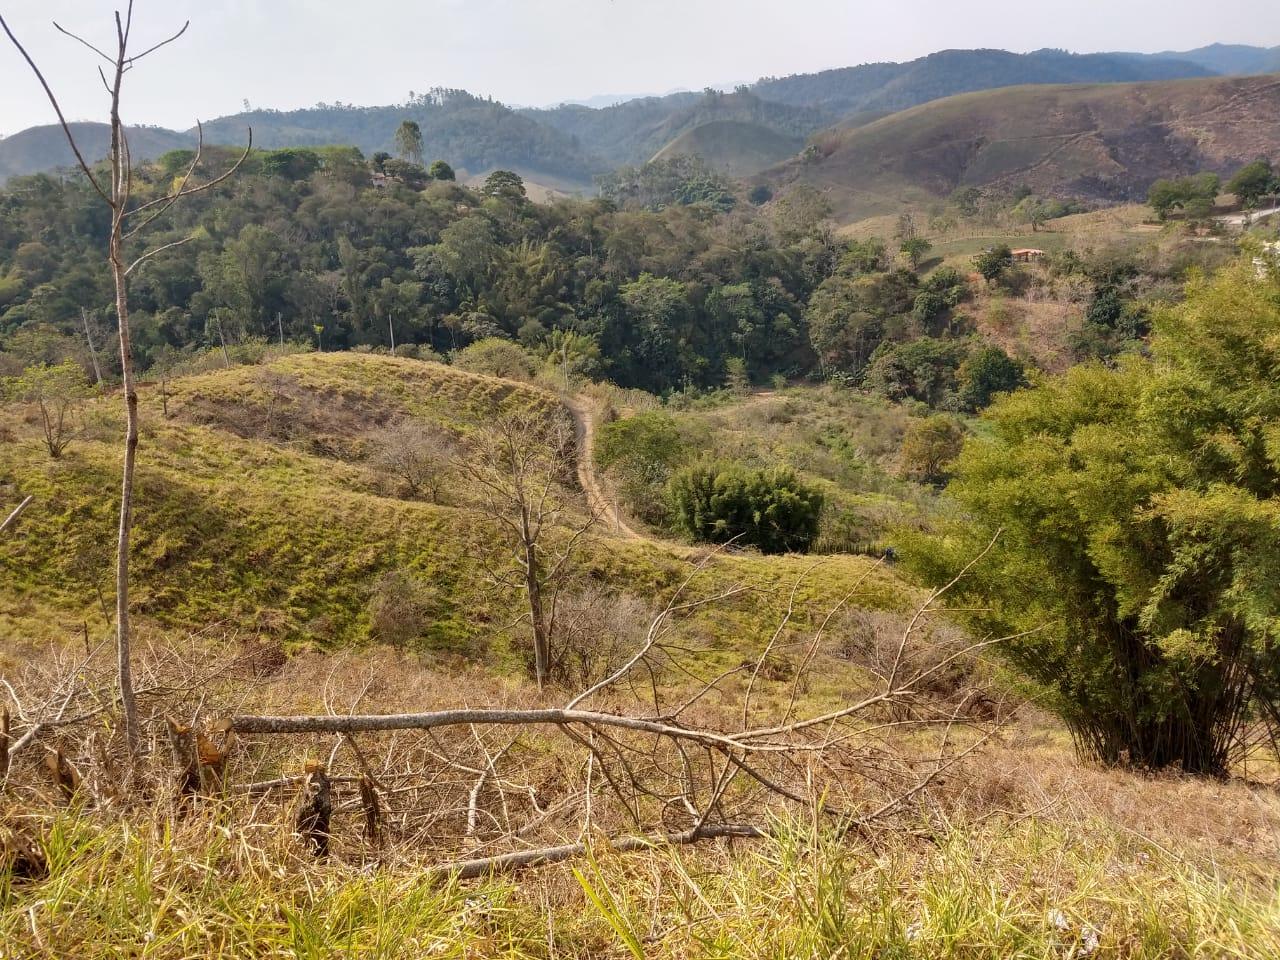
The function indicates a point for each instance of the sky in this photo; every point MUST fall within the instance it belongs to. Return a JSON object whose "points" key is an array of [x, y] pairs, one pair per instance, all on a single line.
{"points": [[296, 53]]}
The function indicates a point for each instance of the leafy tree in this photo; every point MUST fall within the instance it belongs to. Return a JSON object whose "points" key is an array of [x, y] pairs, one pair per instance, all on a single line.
{"points": [[948, 283], [1032, 210], [923, 369], [409, 142], [657, 313], [291, 163], [915, 248], [642, 452], [849, 316], [736, 378], [986, 372], [992, 263], [928, 307], [966, 200], [572, 355], [1135, 533], [929, 445], [439, 170], [1165, 196], [406, 171], [864, 256], [505, 185], [769, 509], [1252, 182]]}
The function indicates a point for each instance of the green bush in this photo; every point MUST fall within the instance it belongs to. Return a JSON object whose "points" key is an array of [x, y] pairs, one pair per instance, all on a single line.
{"points": [[1129, 532], [923, 370], [495, 357], [769, 509], [986, 372], [642, 452]]}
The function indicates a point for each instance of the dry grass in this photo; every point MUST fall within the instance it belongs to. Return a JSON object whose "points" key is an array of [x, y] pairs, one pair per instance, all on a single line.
{"points": [[1020, 853]]}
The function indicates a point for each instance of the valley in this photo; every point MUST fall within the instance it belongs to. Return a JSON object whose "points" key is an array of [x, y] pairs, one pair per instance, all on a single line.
{"points": [[835, 517]]}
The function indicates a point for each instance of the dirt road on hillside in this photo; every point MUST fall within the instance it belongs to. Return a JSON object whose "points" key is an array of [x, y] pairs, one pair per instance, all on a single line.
{"points": [[604, 506]]}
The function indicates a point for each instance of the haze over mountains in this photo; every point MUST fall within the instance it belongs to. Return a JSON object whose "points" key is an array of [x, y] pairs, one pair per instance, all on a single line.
{"points": [[743, 133]]}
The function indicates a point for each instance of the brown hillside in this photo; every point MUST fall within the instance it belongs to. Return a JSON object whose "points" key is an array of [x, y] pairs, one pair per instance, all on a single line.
{"points": [[735, 147], [1101, 142]]}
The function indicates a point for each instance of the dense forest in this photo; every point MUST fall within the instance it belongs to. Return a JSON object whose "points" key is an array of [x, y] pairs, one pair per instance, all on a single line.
{"points": [[671, 281]]}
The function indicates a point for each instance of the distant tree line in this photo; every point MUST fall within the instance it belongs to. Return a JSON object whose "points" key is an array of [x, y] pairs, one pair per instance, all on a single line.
{"points": [[674, 285]]}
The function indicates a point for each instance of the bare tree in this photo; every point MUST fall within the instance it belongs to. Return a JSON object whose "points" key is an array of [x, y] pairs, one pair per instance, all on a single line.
{"points": [[58, 393], [128, 220], [518, 464], [414, 458]]}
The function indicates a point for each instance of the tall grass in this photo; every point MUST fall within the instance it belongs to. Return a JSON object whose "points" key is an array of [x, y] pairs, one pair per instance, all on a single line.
{"points": [[1024, 889]]}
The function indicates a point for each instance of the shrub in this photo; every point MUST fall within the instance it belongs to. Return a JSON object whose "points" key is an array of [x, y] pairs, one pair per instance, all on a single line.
{"points": [[398, 609], [496, 358], [1131, 518], [414, 459], [642, 451], [57, 393], [769, 509], [928, 446], [986, 372]]}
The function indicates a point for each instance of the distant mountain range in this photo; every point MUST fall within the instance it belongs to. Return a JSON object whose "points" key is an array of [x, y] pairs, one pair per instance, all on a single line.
{"points": [[742, 132]]}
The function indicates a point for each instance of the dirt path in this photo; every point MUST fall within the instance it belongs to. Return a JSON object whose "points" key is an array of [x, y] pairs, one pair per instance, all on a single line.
{"points": [[1238, 219], [603, 505]]}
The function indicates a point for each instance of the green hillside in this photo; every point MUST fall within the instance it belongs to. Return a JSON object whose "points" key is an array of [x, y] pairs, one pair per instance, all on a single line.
{"points": [[259, 505]]}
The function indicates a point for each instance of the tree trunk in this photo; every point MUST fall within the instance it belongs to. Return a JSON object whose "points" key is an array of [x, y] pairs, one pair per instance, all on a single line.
{"points": [[93, 351], [541, 642], [128, 703], [222, 339]]}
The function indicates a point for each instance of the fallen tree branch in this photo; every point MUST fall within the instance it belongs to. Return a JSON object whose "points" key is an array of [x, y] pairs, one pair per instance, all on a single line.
{"points": [[17, 512], [470, 869]]}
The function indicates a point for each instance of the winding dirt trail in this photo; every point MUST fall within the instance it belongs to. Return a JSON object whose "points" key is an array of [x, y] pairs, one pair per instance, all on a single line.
{"points": [[600, 502]]}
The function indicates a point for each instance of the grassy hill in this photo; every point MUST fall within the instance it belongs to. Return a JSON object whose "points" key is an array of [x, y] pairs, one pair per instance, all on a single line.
{"points": [[262, 522], [1098, 142], [259, 505], [732, 146]]}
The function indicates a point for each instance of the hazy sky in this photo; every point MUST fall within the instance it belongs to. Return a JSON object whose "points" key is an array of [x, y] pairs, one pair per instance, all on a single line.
{"points": [[292, 53]]}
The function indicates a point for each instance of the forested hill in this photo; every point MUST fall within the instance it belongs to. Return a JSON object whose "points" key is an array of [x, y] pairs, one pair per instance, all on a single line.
{"points": [[569, 144], [1229, 58], [634, 132], [884, 87], [46, 148], [471, 133]]}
